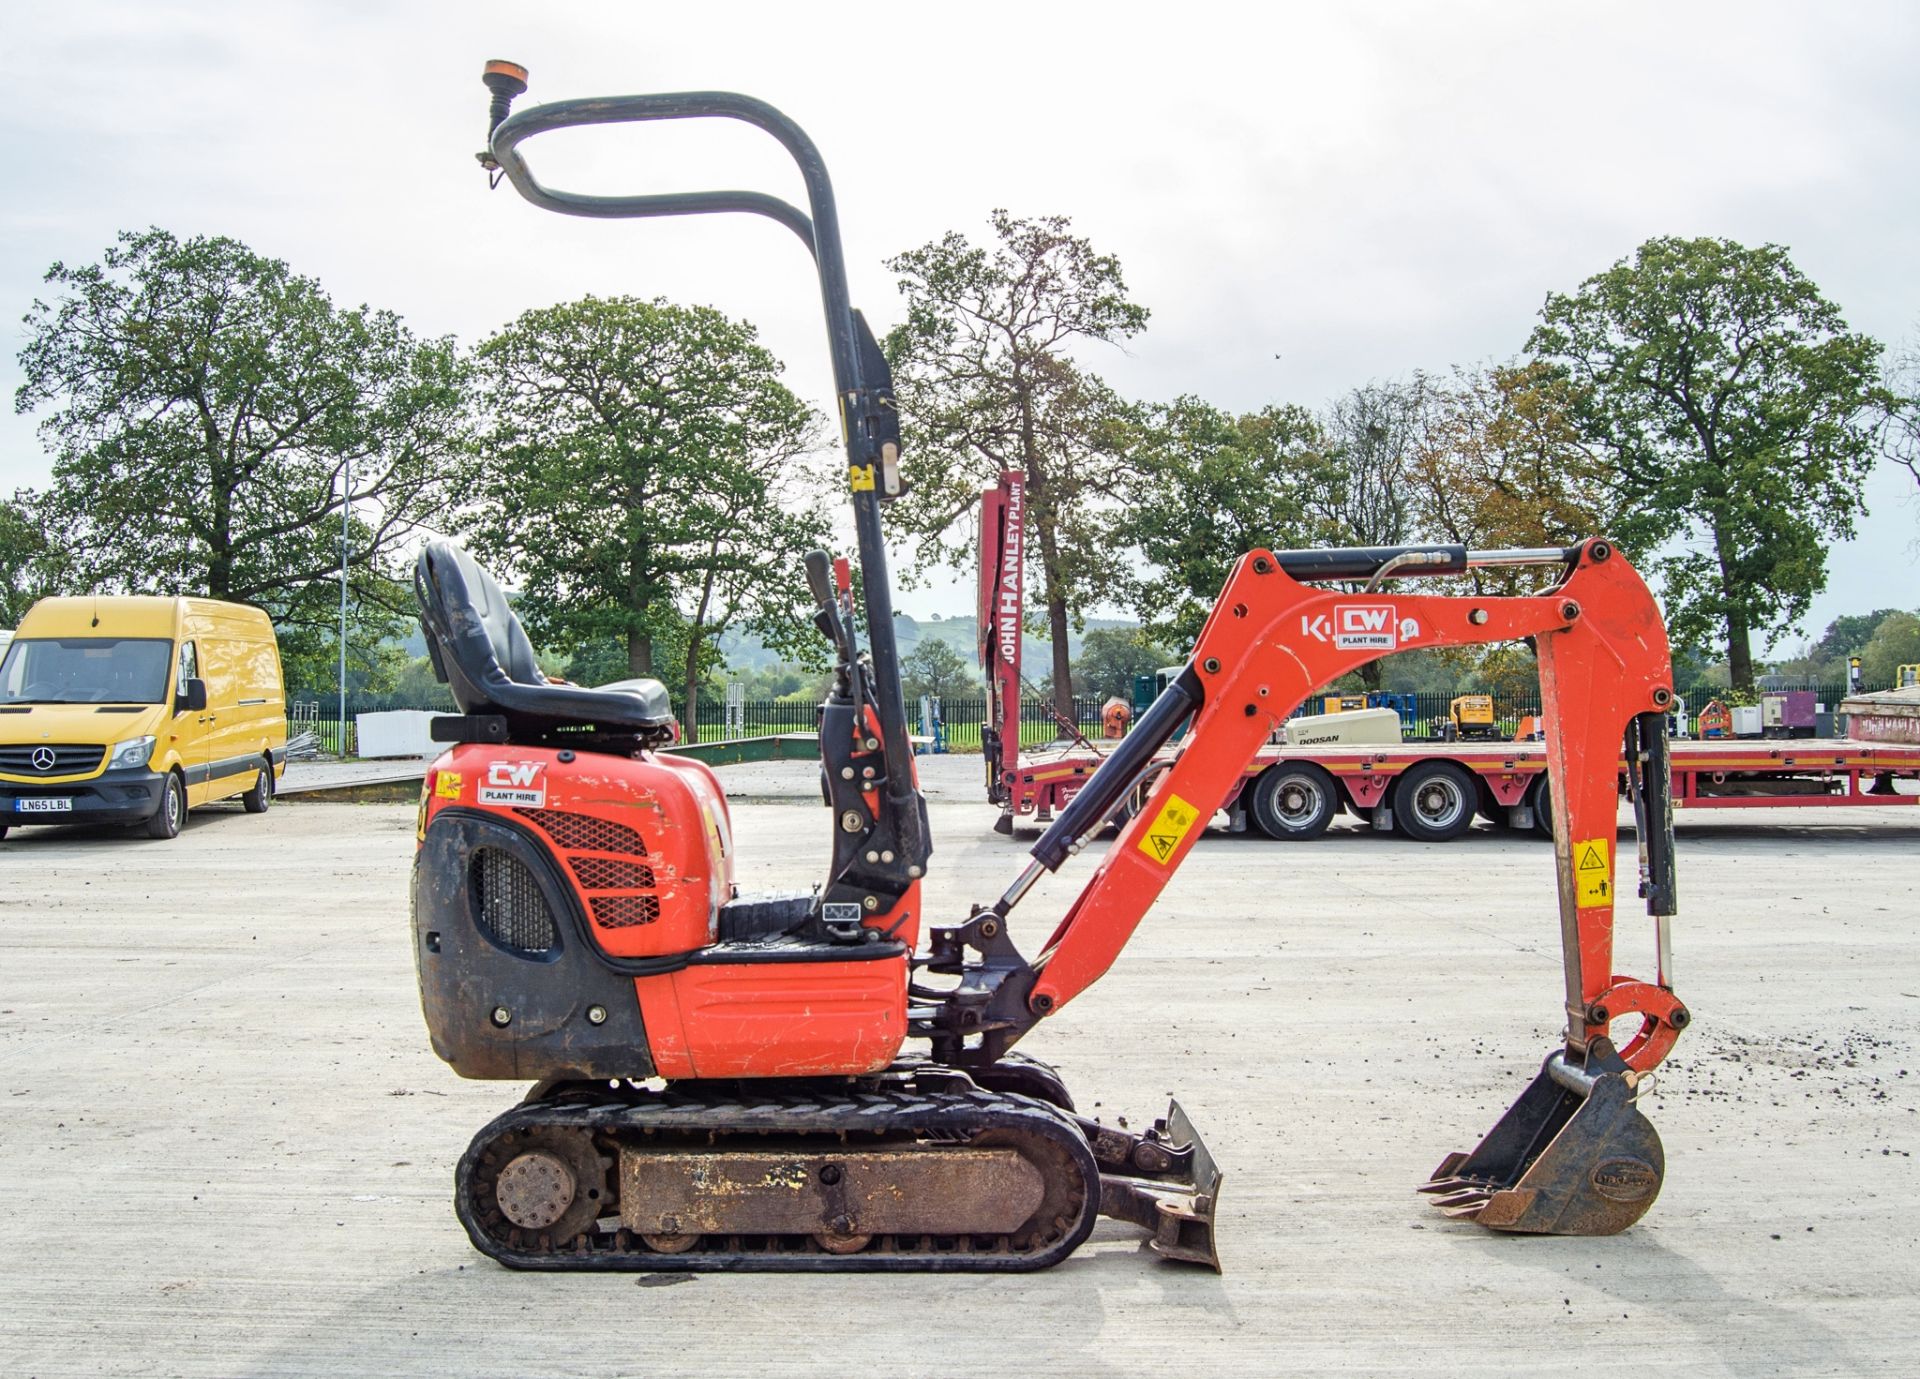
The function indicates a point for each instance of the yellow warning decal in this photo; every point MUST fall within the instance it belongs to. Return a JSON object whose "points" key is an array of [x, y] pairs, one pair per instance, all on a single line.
{"points": [[1593, 872], [860, 478], [448, 786], [1174, 821]]}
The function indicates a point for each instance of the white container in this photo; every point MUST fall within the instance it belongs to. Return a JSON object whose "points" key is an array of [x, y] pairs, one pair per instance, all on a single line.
{"points": [[396, 733], [1747, 721], [1370, 727]]}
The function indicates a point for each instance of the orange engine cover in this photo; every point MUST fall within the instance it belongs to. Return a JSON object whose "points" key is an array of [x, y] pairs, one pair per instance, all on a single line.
{"points": [[646, 843]]}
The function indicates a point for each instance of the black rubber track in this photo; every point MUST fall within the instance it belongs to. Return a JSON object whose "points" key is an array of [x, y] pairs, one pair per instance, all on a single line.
{"points": [[711, 1116]]}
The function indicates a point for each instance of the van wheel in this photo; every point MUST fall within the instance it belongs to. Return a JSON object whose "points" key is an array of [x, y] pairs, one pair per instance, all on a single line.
{"points": [[260, 796], [172, 813], [1293, 799], [1434, 802]]}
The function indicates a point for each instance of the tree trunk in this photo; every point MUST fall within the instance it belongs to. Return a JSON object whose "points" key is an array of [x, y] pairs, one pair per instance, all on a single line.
{"points": [[220, 548], [1056, 601], [639, 643], [690, 716], [1062, 656], [1739, 650]]}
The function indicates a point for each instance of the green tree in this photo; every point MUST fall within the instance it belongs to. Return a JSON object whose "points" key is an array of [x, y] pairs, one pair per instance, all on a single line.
{"points": [[986, 385], [1895, 642], [644, 481], [1499, 462], [1903, 409], [1736, 414], [1844, 637], [203, 403], [1371, 432], [934, 667], [1363, 497], [1110, 658], [33, 561], [1203, 488]]}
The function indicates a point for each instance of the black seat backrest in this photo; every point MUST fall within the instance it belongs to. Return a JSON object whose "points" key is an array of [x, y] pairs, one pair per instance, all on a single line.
{"points": [[481, 651], [468, 622]]}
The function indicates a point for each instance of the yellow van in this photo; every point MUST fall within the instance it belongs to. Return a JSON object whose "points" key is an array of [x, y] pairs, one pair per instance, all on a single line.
{"points": [[133, 710]]}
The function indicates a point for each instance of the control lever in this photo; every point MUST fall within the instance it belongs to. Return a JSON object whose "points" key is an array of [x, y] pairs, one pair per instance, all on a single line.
{"points": [[828, 620]]}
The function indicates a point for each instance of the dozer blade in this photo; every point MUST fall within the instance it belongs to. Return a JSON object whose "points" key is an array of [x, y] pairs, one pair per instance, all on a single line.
{"points": [[1176, 1206], [1573, 1156]]}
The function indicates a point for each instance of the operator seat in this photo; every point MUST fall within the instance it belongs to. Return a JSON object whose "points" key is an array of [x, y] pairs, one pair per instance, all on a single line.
{"points": [[481, 652]]}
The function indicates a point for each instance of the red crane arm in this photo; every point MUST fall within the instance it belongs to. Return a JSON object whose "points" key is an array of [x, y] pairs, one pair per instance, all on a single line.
{"points": [[1270, 641]]}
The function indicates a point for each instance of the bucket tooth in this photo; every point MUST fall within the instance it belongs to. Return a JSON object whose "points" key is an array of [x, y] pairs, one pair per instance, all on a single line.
{"points": [[1572, 1156]]}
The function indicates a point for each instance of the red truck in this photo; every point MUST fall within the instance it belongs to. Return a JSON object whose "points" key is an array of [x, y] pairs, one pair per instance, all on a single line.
{"points": [[1430, 791]]}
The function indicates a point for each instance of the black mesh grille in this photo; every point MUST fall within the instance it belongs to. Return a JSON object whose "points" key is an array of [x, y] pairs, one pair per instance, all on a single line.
{"points": [[624, 911], [61, 759], [576, 832], [507, 902], [611, 874]]}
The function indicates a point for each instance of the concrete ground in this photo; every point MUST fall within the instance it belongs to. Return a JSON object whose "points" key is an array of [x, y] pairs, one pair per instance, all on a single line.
{"points": [[226, 1148]]}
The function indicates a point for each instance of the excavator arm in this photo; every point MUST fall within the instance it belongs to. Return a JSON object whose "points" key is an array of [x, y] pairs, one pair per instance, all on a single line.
{"points": [[1273, 637]]}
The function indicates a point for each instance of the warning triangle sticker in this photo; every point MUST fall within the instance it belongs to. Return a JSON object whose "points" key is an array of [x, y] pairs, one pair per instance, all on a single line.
{"points": [[1162, 844], [1592, 860]]}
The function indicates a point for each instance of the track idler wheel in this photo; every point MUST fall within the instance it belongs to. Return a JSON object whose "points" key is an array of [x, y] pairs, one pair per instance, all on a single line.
{"points": [[546, 1182], [1573, 1156]]}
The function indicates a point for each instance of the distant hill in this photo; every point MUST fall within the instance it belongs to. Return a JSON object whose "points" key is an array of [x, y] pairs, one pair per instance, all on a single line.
{"points": [[744, 652]]}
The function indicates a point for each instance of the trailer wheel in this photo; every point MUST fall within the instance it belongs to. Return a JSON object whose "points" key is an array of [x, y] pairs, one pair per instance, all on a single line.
{"points": [[1434, 802], [1542, 801], [1293, 799]]}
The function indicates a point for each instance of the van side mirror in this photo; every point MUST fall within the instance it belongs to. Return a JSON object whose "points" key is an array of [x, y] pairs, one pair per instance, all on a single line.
{"points": [[194, 700]]}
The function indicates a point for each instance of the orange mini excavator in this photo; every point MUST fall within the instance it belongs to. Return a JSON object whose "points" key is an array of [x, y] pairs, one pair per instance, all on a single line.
{"points": [[799, 1081]]}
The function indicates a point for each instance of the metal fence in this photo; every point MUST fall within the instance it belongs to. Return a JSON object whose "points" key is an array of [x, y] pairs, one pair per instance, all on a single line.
{"points": [[1422, 715]]}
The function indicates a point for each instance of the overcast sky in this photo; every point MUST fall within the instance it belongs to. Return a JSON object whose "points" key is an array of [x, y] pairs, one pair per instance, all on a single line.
{"points": [[1306, 196]]}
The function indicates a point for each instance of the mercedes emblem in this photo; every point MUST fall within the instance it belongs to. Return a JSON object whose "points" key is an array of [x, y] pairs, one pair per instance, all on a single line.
{"points": [[43, 758]]}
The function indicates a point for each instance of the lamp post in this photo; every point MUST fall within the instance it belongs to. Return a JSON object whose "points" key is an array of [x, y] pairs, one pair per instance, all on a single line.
{"points": [[346, 510]]}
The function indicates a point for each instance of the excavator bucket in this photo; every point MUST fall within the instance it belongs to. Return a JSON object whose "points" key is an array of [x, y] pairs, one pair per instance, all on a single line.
{"points": [[1573, 1156]]}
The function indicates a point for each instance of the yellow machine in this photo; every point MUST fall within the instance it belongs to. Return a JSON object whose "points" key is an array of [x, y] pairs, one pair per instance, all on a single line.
{"points": [[133, 710], [1905, 677], [1470, 716]]}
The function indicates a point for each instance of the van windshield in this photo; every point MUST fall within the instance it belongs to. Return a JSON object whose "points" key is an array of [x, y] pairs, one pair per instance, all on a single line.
{"points": [[86, 670]]}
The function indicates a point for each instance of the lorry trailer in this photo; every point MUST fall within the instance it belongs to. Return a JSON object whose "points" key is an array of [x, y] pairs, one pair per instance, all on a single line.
{"points": [[1432, 792]]}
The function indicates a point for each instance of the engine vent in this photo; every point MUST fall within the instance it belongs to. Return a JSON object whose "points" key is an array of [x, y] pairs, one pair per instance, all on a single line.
{"points": [[611, 874], [624, 911], [507, 902], [583, 832]]}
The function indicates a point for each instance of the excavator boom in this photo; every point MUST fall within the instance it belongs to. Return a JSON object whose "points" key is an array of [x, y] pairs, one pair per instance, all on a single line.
{"points": [[1274, 636]]}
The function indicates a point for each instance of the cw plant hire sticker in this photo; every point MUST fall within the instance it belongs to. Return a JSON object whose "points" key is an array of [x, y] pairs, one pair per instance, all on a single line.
{"points": [[1174, 821]]}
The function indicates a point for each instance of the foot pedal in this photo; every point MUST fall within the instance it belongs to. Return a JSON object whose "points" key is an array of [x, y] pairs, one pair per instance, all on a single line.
{"points": [[1573, 1156]]}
